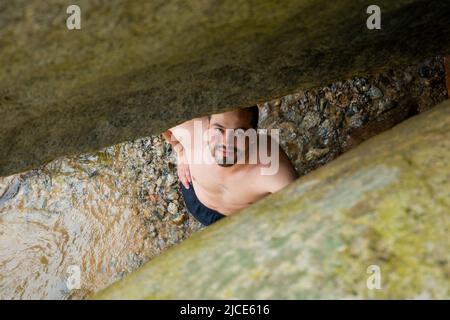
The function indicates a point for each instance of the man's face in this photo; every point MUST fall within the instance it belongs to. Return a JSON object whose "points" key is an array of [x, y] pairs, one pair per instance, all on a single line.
{"points": [[223, 133]]}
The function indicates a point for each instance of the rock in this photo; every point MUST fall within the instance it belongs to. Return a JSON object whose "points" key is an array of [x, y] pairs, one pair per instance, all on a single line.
{"points": [[350, 115], [127, 175], [447, 73], [11, 190], [154, 198], [424, 71], [383, 204], [172, 208], [170, 180], [179, 219], [314, 154], [60, 96], [356, 120], [147, 214], [171, 195], [152, 231], [375, 93], [310, 120]]}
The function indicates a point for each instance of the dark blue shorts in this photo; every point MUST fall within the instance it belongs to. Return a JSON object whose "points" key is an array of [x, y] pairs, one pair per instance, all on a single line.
{"points": [[200, 212]]}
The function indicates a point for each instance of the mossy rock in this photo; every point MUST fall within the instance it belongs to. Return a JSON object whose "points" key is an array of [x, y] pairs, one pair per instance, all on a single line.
{"points": [[385, 203], [139, 67]]}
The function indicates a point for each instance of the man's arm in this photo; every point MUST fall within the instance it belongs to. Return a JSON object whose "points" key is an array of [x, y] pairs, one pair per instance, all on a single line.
{"points": [[177, 136], [285, 175], [170, 138], [182, 135]]}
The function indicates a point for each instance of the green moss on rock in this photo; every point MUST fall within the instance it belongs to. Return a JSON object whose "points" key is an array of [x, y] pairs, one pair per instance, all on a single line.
{"points": [[385, 203], [138, 67]]}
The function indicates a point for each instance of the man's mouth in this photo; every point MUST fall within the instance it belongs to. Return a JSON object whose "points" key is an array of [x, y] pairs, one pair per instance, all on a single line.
{"points": [[226, 152]]}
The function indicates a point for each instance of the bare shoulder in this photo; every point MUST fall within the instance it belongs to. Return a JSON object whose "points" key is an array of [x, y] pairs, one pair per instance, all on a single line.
{"points": [[275, 169], [184, 131]]}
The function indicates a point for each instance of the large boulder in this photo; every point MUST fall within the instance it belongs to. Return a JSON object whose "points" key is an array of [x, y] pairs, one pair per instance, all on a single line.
{"points": [[382, 209], [138, 67]]}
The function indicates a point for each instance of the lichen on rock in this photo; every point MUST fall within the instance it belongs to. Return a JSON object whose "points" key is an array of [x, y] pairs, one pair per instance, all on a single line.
{"points": [[384, 203], [132, 187], [137, 68]]}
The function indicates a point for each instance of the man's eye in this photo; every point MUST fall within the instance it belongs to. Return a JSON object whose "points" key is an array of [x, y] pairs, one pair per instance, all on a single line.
{"points": [[218, 129]]}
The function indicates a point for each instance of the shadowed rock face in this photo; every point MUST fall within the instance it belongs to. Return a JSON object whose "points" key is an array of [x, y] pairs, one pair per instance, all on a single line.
{"points": [[113, 210], [137, 68], [385, 203]]}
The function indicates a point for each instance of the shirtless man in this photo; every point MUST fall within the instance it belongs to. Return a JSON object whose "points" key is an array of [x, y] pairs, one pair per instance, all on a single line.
{"points": [[226, 179]]}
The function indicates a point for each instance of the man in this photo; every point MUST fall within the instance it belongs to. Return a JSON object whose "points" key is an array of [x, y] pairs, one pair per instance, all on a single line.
{"points": [[221, 169]]}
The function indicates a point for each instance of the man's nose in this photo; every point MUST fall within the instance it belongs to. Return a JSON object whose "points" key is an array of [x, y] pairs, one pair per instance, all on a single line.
{"points": [[229, 138]]}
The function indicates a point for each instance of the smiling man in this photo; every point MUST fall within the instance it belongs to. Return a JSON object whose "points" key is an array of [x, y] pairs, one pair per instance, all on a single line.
{"points": [[225, 164]]}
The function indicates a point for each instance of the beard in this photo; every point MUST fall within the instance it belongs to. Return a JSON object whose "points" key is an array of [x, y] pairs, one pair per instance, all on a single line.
{"points": [[229, 159]]}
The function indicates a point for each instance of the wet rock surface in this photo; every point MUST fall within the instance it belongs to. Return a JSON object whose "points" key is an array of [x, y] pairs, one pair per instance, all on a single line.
{"points": [[112, 210], [319, 124], [380, 210], [105, 212]]}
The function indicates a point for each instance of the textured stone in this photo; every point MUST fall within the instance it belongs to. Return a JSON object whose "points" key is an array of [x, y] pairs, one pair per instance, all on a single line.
{"points": [[90, 191], [137, 68], [384, 203]]}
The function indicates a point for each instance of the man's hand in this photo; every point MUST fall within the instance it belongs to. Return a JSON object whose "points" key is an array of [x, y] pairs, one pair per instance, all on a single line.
{"points": [[183, 171], [182, 165], [167, 135]]}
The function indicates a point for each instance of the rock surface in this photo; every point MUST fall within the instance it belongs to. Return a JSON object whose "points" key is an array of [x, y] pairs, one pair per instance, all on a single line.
{"points": [[385, 203], [136, 68], [112, 210], [319, 124], [106, 213]]}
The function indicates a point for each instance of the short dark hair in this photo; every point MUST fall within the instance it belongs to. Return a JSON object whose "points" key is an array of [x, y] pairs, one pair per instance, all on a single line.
{"points": [[254, 113]]}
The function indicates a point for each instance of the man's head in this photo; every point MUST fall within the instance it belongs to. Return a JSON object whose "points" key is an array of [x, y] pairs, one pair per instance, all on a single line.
{"points": [[223, 132]]}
